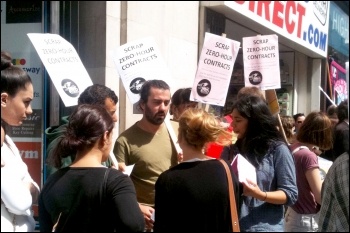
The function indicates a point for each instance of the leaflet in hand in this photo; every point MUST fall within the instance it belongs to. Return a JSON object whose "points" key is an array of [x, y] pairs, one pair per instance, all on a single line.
{"points": [[128, 169], [243, 169]]}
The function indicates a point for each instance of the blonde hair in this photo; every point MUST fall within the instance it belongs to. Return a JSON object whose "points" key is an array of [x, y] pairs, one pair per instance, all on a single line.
{"points": [[198, 127]]}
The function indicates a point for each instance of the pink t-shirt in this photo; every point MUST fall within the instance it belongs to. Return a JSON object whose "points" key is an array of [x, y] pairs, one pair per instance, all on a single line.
{"points": [[304, 160]]}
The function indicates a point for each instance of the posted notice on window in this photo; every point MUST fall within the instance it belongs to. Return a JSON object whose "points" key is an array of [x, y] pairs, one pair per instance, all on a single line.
{"points": [[214, 70], [138, 61], [63, 64], [261, 62]]}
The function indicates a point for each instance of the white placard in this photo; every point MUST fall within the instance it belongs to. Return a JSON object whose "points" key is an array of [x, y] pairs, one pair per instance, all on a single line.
{"points": [[63, 64], [172, 134], [261, 62], [138, 61], [214, 70]]}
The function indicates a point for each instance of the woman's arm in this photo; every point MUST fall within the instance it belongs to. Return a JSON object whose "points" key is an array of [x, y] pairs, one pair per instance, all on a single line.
{"points": [[15, 193], [125, 204], [314, 179], [17, 186], [285, 173], [277, 197]]}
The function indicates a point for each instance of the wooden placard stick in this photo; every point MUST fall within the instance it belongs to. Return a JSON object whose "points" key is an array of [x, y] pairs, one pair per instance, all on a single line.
{"points": [[272, 101]]}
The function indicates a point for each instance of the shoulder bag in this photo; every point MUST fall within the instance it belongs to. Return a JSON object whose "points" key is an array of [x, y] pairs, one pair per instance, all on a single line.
{"points": [[233, 206]]}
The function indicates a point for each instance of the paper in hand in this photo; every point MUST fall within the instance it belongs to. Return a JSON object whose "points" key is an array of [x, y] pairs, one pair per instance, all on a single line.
{"points": [[243, 169], [128, 169]]}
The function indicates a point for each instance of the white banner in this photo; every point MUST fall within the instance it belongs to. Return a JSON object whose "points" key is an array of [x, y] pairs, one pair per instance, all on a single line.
{"points": [[63, 64], [214, 70], [138, 61], [261, 62]]}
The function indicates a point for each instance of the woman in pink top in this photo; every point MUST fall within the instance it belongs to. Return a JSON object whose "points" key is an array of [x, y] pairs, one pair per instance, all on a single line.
{"points": [[316, 131]]}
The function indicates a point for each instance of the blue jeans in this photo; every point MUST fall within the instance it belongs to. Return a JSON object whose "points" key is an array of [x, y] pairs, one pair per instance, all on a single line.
{"points": [[294, 222]]}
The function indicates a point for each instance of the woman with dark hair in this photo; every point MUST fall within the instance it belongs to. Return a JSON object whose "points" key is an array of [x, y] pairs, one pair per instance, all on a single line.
{"points": [[180, 101], [87, 196], [260, 142], [316, 131], [18, 189]]}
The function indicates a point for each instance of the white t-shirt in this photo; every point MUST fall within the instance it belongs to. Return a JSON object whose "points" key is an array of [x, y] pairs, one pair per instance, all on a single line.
{"points": [[15, 194]]}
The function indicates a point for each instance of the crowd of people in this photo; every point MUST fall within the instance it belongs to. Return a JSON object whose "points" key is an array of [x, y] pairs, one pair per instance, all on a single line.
{"points": [[168, 190]]}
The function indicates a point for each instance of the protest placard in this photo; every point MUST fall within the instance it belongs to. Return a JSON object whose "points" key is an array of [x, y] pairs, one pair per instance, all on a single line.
{"points": [[138, 61], [214, 70], [261, 62], [63, 64]]}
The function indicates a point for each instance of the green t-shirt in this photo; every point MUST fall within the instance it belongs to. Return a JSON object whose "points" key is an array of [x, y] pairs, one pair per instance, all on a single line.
{"points": [[152, 154]]}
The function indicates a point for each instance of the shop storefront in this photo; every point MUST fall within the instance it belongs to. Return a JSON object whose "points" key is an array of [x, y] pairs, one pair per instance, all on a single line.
{"points": [[338, 53], [302, 29]]}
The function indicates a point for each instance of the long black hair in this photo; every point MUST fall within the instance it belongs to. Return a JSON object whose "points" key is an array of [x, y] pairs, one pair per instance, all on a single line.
{"points": [[261, 130]]}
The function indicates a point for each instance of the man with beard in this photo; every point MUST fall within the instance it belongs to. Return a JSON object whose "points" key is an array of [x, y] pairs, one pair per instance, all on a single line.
{"points": [[148, 145]]}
